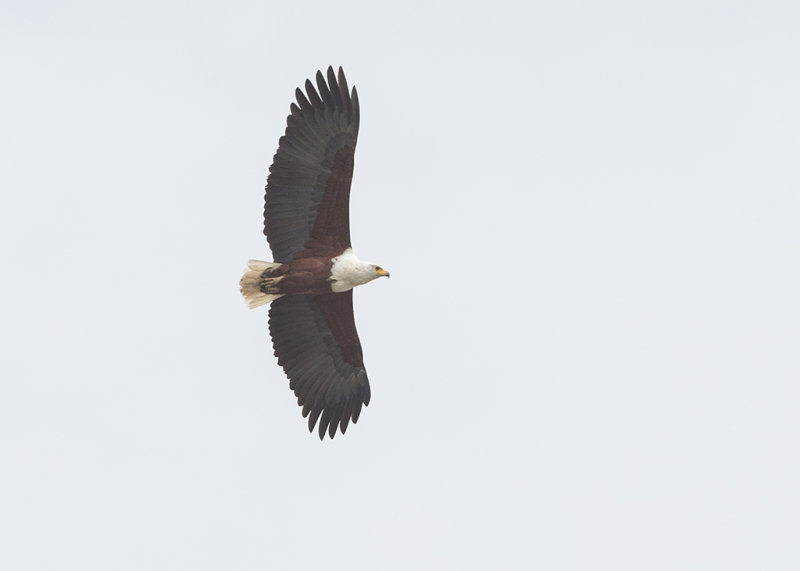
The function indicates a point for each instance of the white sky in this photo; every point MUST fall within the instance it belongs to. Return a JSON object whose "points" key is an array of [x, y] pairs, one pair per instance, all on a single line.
{"points": [[587, 355]]}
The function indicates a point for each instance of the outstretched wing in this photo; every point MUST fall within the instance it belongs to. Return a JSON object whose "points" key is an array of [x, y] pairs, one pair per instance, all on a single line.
{"points": [[308, 188], [317, 345]]}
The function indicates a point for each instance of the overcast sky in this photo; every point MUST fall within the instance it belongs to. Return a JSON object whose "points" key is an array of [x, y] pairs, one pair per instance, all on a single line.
{"points": [[586, 357]]}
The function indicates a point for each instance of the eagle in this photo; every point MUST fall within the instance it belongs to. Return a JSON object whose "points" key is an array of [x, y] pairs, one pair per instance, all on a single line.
{"points": [[310, 282]]}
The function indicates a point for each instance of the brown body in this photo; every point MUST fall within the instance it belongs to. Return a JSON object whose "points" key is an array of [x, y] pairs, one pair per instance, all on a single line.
{"points": [[305, 275]]}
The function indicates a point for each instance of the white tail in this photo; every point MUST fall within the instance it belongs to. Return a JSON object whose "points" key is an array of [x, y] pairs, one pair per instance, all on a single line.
{"points": [[252, 281]]}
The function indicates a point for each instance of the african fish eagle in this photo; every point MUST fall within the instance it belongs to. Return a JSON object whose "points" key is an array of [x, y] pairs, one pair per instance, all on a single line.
{"points": [[310, 283]]}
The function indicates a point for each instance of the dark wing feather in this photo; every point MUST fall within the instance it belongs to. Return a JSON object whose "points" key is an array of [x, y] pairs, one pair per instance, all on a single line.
{"points": [[308, 188], [317, 345]]}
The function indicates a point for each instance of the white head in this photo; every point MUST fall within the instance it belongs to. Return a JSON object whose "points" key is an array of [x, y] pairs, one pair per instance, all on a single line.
{"points": [[348, 271]]}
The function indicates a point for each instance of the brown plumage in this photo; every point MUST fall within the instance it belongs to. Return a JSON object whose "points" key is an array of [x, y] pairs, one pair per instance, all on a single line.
{"points": [[307, 225]]}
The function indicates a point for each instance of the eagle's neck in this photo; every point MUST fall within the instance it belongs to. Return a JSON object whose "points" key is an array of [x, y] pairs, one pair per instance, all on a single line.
{"points": [[347, 271]]}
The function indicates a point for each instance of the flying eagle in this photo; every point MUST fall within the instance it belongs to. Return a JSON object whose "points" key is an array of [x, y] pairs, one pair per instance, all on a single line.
{"points": [[311, 281]]}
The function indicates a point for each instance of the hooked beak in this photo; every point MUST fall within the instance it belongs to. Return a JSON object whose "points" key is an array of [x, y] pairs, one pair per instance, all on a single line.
{"points": [[382, 272]]}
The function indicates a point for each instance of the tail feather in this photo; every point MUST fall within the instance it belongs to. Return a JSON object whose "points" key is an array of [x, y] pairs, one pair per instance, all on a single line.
{"points": [[252, 283]]}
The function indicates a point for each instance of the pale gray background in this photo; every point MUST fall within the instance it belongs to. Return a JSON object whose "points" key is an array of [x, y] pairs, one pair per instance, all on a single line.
{"points": [[586, 358]]}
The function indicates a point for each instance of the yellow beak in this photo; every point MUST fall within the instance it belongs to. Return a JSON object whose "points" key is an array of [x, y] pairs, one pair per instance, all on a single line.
{"points": [[382, 272]]}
